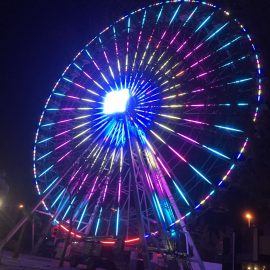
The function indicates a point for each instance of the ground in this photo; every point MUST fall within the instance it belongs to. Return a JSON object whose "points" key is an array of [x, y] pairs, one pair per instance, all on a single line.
{"points": [[29, 262]]}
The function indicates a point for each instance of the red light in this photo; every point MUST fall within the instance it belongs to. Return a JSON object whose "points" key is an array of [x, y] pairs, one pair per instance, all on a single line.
{"points": [[107, 242], [76, 235], [132, 240], [63, 227]]}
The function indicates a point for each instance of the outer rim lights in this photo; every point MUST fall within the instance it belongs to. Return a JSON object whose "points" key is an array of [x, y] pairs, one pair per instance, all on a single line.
{"points": [[116, 101]]}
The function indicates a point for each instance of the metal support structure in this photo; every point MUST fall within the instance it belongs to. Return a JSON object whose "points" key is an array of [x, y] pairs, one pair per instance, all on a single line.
{"points": [[188, 239], [33, 233], [45, 231], [135, 176], [19, 242], [141, 227], [63, 255]]}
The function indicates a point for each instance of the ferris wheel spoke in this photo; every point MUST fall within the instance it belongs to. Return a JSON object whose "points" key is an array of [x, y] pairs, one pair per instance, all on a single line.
{"points": [[97, 155], [215, 32], [104, 194], [201, 106], [76, 98], [97, 67], [137, 47], [167, 171], [68, 153], [167, 61], [193, 141], [89, 77], [173, 39], [219, 67], [204, 58], [69, 207], [71, 109], [79, 86], [62, 145], [144, 53], [127, 48], [51, 185], [196, 123], [81, 205], [146, 88], [84, 204], [61, 133], [111, 72], [65, 120], [161, 39], [117, 56], [58, 197], [208, 57], [199, 27], [87, 201], [182, 158]]}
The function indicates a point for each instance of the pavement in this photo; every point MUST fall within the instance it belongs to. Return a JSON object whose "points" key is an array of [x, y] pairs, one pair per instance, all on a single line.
{"points": [[30, 262]]}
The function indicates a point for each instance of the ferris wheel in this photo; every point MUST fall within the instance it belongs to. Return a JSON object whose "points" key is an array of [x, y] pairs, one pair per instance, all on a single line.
{"points": [[148, 120]]}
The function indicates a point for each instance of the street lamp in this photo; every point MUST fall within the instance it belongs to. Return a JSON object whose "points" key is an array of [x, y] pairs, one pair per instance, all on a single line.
{"points": [[249, 217], [20, 206]]}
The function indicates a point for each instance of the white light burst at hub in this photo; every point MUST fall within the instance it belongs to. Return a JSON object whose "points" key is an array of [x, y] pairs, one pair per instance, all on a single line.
{"points": [[116, 101]]}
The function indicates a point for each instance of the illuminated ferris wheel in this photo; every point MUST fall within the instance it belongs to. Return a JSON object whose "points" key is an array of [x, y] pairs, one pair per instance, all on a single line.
{"points": [[148, 121]]}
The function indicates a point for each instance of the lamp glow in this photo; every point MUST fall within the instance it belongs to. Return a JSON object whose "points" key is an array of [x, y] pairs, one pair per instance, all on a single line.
{"points": [[249, 217], [20, 206], [116, 101]]}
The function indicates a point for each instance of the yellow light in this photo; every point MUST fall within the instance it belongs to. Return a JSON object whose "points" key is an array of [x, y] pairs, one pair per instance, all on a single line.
{"points": [[248, 216], [180, 73], [21, 206]]}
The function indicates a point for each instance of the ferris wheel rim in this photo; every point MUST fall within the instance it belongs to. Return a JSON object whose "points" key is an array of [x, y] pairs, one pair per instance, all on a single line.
{"points": [[245, 141]]}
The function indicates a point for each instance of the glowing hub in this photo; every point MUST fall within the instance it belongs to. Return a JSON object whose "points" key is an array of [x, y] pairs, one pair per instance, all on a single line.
{"points": [[116, 101]]}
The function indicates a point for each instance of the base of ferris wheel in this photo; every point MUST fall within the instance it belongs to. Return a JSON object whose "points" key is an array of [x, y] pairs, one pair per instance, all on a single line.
{"points": [[154, 252], [159, 248]]}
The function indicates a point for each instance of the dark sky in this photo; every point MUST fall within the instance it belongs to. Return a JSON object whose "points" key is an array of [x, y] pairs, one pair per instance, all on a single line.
{"points": [[40, 38]]}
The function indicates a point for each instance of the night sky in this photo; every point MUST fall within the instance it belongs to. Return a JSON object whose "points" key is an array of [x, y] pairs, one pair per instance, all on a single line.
{"points": [[40, 38]]}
